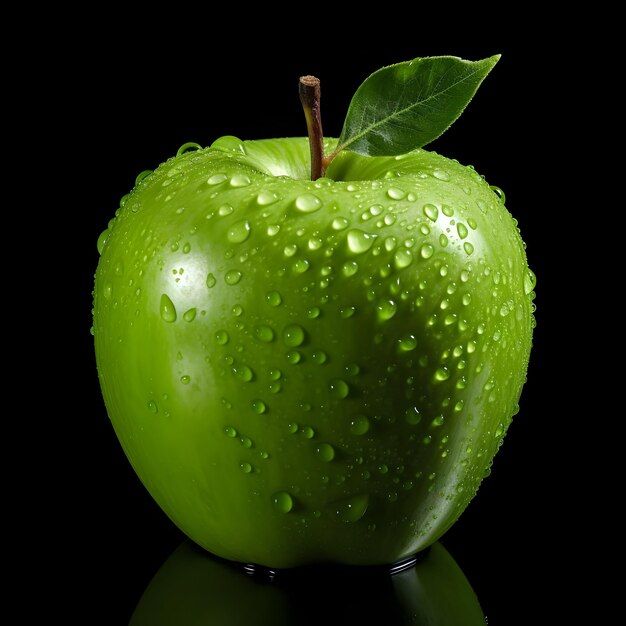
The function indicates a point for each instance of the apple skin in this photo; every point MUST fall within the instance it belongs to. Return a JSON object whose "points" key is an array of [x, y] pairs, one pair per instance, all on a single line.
{"points": [[194, 588], [312, 371]]}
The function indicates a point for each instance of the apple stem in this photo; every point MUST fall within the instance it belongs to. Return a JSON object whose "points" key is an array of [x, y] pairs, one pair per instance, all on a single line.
{"points": [[309, 88]]}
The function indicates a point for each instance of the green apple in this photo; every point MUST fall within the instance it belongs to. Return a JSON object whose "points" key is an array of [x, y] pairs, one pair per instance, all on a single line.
{"points": [[193, 588], [304, 371]]}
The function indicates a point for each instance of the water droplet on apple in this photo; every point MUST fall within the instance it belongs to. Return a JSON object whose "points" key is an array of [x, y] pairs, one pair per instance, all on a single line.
{"points": [[313, 312], [462, 230], [386, 309], [152, 406], [264, 333], [352, 509], [265, 198], [246, 468], [282, 501], [258, 406], [339, 223], [273, 298], [412, 416], [168, 310], [359, 425], [216, 179], [396, 194], [426, 251], [239, 232], [319, 357], [499, 193], [360, 241], [431, 212], [442, 374], [347, 312], [530, 282], [293, 357], [293, 335], [221, 337], [301, 266], [339, 388], [229, 431], [232, 277], [210, 281], [240, 180], [468, 247], [402, 258], [243, 372], [185, 379], [325, 452], [225, 210], [102, 240], [438, 421], [189, 315], [407, 343], [308, 203], [349, 268], [441, 174]]}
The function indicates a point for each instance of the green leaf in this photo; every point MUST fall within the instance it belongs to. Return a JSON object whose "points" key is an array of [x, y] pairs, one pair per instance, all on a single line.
{"points": [[405, 106]]}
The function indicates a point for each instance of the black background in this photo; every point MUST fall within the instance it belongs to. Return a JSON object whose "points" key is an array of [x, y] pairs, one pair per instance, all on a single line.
{"points": [[130, 104]]}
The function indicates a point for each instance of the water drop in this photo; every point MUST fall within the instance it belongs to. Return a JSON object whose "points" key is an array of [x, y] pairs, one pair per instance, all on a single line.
{"points": [[396, 194], [412, 416], [468, 247], [402, 258], [216, 179], [225, 210], [293, 335], [442, 373], [246, 468], [243, 372], [239, 232], [360, 241], [294, 357], [264, 333], [462, 230], [221, 337], [431, 212], [438, 421], [185, 379], [339, 388], [189, 315], [240, 180], [352, 509], [426, 251], [258, 406], [319, 357], [499, 193], [232, 277], [349, 268], [530, 281], [282, 501], [102, 240], [229, 431], [308, 203], [325, 451], [273, 298], [441, 174], [265, 198], [386, 309], [301, 266], [152, 407], [313, 312], [210, 281], [359, 425], [407, 343], [339, 223], [168, 310]]}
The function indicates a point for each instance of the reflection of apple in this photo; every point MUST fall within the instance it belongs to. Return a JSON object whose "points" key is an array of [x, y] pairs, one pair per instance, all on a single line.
{"points": [[193, 587]]}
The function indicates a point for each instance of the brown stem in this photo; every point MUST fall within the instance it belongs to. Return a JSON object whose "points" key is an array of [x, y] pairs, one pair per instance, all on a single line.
{"points": [[309, 88]]}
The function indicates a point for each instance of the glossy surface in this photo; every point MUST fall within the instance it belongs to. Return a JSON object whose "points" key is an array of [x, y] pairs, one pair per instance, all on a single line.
{"points": [[301, 371], [193, 588]]}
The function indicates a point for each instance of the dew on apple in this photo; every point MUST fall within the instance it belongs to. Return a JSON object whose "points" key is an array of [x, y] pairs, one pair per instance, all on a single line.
{"points": [[339, 388], [313, 312], [246, 468], [403, 258], [339, 223], [468, 247], [265, 198], [386, 309], [294, 357], [396, 194], [243, 372], [225, 210], [293, 428], [300, 266], [359, 241], [359, 425], [229, 431], [307, 432], [216, 179], [308, 203], [407, 343], [189, 315], [246, 442], [325, 452], [240, 180], [264, 333], [293, 335], [258, 406], [239, 232], [319, 357], [461, 229], [426, 251], [441, 174], [351, 510], [152, 406], [221, 337], [346, 312], [185, 379], [232, 277], [282, 501], [274, 298], [499, 193], [167, 309]]}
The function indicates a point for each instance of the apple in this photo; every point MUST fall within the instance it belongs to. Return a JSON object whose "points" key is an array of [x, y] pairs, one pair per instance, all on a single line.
{"points": [[192, 587], [312, 370]]}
